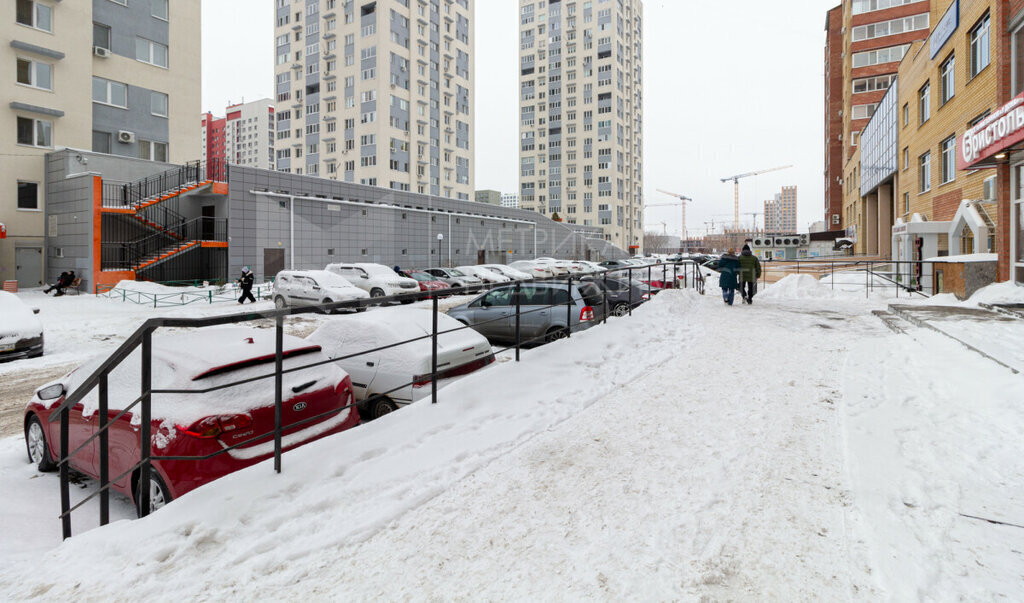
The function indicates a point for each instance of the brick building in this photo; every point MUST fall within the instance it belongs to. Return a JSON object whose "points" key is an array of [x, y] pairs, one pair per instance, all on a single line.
{"points": [[780, 213], [834, 117]]}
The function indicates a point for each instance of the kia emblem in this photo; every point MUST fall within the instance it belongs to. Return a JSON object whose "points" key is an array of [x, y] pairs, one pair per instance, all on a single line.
{"points": [[299, 407]]}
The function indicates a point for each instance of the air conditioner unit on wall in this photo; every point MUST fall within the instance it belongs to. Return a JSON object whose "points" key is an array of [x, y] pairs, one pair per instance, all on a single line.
{"points": [[101, 51], [835, 219], [805, 240], [124, 136]]}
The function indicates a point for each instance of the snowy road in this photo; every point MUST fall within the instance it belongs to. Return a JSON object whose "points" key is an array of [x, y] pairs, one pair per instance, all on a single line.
{"points": [[793, 450]]}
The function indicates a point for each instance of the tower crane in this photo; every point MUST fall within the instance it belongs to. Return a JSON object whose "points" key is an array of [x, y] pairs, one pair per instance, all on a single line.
{"points": [[736, 184], [682, 201]]}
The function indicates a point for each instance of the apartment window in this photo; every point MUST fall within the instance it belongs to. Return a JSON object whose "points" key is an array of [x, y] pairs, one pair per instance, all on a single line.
{"points": [[924, 102], [158, 104], [890, 28], [906, 114], [925, 172], [864, 111], [101, 142], [158, 8], [949, 159], [101, 35], [34, 14], [893, 54], [948, 79], [153, 151], [906, 203], [28, 195], [906, 158], [35, 132], [35, 74], [109, 92], [150, 52], [980, 46], [871, 84], [867, 6]]}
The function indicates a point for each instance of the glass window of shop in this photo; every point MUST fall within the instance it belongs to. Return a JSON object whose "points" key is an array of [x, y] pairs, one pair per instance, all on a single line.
{"points": [[1017, 224]]}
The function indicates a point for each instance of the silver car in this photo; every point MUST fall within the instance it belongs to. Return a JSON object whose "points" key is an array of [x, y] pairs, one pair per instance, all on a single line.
{"points": [[456, 278], [545, 311]]}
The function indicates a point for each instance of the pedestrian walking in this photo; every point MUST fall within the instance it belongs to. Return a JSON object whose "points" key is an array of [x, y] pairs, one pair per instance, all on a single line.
{"points": [[245, 282], [728, 269], [750, 271]]}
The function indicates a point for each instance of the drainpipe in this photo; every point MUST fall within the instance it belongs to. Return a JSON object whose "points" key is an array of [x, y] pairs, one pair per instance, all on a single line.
{"points": [[451, 264], [291, 228]]}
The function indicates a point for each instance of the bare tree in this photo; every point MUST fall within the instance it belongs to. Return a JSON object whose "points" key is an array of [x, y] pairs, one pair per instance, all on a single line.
{"points": [[656, 242]]}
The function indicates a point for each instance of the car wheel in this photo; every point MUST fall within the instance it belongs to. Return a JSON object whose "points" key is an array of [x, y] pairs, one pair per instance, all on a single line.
{"points": [[327, 310], [159, 495], [620, 310], [376, 292], [381, 407], [35, 442], [279, 303], [361, 309], [554, 334]]}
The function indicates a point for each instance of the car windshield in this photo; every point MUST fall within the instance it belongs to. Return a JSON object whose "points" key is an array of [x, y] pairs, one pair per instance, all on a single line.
{"points": [[376, 270], [454, 272], [421, 276], [329, 279]]}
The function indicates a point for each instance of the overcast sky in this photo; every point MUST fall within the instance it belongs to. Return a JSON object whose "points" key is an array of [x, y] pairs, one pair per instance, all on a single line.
{"points": [[730, 87]]}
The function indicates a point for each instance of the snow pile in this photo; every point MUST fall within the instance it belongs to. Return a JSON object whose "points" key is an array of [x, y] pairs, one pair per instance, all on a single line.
{"points": [[344, 489], [158, 289], [798, 286], [856, 281], [1000, 293], [17, 321], [181, 359]]}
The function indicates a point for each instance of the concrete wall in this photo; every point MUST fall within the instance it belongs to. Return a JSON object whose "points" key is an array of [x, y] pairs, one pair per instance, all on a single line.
{"points": [[385, 226], [69, 216]]}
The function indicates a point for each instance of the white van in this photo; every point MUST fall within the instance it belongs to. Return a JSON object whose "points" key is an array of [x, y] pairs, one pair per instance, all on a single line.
{"points": [[313, 288], [376, 279]]}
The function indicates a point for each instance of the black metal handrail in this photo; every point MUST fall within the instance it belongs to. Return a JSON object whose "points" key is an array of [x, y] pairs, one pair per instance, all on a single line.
{"points": [[130, 255], [142, 338], [131, 194]]}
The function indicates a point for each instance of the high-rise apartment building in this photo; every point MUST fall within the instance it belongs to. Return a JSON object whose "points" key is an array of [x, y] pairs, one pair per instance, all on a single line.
{"points": [[488, 196], [510, 200], [780, 214], [834, 118], [116, 76], [244, 137], [379, 93], [581, 114], [874, 37]]}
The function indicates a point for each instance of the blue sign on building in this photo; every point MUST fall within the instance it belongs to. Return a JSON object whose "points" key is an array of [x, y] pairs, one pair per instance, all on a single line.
{"points": [[945, 27]]}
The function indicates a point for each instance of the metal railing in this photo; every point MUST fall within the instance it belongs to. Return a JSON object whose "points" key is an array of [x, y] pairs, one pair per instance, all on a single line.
{"points": [[908, 278], [227, 293], [142, 340], [132, 194], [131, 255]]}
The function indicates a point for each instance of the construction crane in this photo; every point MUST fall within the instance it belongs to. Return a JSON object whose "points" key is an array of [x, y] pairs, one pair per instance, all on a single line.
{"points": [[736, 183], [753, 215], [682, 201]]}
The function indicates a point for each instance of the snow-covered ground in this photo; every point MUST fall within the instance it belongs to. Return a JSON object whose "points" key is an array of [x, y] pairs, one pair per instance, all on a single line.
{"points": [[790, 450]]}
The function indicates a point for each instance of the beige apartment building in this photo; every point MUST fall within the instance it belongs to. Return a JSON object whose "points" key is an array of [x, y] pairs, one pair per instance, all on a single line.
{"points": [[377, 93], [581, 114], [112, 76]]}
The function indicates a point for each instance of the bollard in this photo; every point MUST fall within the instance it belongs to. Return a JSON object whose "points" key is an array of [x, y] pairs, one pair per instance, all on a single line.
{"points": [[278, 385], [518, 314], [433, 356]]}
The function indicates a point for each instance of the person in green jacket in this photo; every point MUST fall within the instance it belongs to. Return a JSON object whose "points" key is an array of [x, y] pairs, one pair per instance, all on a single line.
{"points": [[728, 270], [750, 271]]}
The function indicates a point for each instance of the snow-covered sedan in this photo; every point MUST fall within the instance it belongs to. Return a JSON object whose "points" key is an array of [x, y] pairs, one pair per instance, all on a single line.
{"points": [[512, 273], [236, 423], [21, 333], [400, 375], [488, 277], [375, 279], [313, 288], [456, 278], [533, 268]]}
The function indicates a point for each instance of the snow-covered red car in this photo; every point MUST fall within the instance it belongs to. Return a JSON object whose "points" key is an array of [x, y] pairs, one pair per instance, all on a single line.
{"points": [[237, 422], [428, 282]]}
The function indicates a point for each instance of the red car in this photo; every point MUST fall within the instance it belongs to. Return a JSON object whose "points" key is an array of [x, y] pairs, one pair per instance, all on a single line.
{"points": [[428, 282], [195, 424]]}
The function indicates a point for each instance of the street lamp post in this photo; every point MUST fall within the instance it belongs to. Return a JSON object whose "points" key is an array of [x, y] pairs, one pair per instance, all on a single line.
{"points": [[440, 238]]}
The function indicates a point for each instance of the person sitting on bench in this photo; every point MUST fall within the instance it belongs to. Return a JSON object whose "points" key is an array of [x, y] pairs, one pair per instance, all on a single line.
{"points": [[62, 282]]}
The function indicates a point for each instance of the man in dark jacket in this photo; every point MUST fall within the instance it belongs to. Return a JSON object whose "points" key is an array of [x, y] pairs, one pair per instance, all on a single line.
{"points": [[60, 284], [750, 271], [245, 282], [728, 269]]}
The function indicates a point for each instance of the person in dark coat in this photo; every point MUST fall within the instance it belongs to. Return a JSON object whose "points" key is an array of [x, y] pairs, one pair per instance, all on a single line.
{"points": [[750, 271], [245, 282], [728, 269], [60, 284]]}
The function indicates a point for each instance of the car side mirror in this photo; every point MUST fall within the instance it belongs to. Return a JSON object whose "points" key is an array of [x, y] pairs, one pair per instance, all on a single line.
{"points": [[363, 276], [51, 393]]}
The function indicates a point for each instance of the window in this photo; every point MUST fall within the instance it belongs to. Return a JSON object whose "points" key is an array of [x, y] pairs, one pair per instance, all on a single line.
{"points": [[924, 105], [947, 87], [153, 151], [949, 159], [906, 158], [866, 6], [158, 104], [925, 172], [871, 84], [101, 35], [150, 52], [158, 8], [35, 74], [1017, 60], [28, 195], [101, 142], [906, 203], [980, 46], [35, 132], [893, 54], [890, 28], [35, 14], [109, 92], [906, 114], [864, 111]]}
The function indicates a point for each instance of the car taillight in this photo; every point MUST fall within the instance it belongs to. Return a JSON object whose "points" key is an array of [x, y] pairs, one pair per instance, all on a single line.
{"points": [[587, 314], [421, 381], [645, 296], [212, 427]]}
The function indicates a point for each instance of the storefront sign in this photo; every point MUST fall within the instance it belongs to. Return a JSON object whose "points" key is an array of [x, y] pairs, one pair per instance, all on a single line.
{"points": [[998, 131], [899, 229], [945, 27]]}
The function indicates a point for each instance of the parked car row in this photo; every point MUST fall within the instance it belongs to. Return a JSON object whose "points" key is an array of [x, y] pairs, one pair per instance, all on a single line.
{"points": [[21, 333]]}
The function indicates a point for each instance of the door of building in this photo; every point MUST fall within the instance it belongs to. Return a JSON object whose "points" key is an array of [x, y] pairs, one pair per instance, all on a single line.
{"points": [[273, 262], [1017, 224], [209, 230], [28, 263], [481, 257]]}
